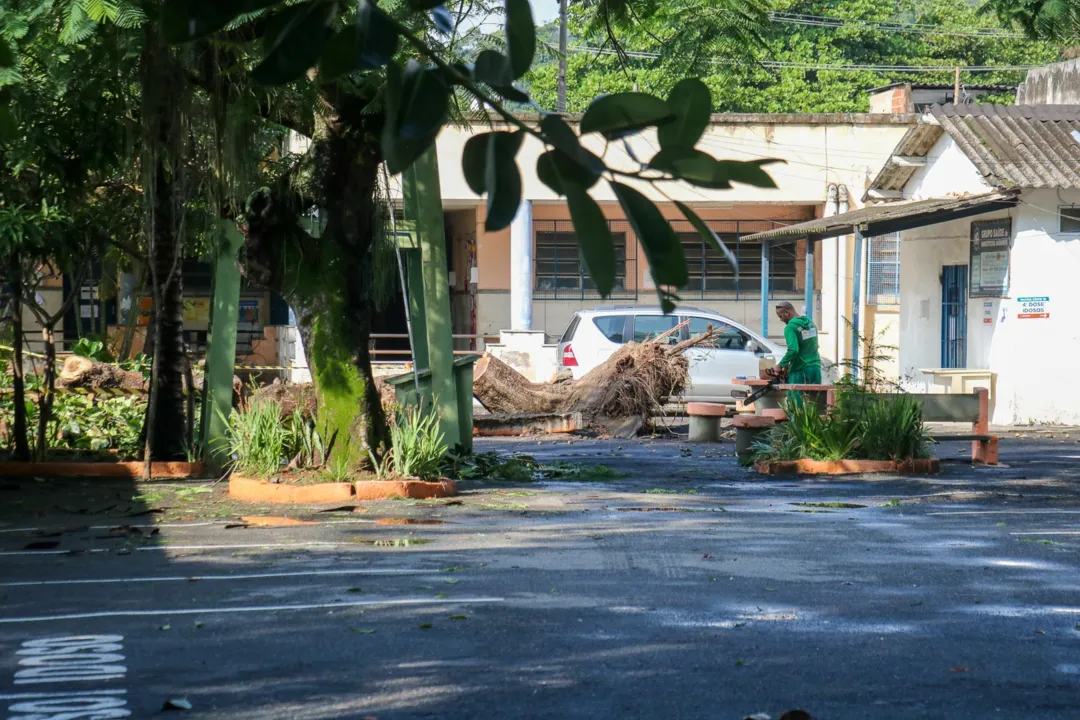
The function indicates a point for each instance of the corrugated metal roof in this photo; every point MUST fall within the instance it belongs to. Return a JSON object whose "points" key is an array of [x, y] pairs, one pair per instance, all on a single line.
{"points": [[890, 217], [1027, 146]]}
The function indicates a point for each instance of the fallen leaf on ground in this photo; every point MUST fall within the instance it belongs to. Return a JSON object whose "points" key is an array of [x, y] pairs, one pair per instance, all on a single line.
{"points": [[758, 716], [425, 626], [164, 627], [362, 631], [796, 715], [459, 617], [176, 704], [958, 669]]}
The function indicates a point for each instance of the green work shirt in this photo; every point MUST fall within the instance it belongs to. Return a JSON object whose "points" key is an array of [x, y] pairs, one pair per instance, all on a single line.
{"points": [[802, 351]]}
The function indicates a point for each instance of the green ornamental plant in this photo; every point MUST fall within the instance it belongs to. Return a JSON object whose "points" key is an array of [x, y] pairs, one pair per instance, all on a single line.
{"points": [[417, 443], [860, 425]]}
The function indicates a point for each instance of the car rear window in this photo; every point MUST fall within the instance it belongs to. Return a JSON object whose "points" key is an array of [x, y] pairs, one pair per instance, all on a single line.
{"points": [[612, 326], [569, 334]]}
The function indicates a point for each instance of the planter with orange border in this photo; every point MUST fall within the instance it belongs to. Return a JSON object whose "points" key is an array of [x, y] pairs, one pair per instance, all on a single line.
{"points": [[406, 488], [261, 491], [291, 493], [98, 469], [848, 467]]}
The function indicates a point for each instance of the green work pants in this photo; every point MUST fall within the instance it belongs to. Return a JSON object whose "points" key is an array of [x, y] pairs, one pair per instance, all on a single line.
{"points": [[807, 375]]}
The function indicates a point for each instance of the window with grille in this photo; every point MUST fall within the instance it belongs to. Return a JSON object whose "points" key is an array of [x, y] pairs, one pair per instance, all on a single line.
{"points": [[1069, 219], [713, 277], [560, 272], [883, 270]]}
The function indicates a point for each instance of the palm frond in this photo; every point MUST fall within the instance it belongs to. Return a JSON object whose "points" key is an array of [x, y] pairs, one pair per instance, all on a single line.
{"points": [[77, 25]]}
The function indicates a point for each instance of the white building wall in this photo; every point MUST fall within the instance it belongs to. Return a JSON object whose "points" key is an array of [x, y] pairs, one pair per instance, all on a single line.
{"points": [[1036, 358], [947, 172], [1026, 355]]}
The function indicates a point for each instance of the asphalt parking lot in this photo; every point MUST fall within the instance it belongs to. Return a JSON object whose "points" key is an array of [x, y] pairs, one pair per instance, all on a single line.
{"points": [[684, 587]]}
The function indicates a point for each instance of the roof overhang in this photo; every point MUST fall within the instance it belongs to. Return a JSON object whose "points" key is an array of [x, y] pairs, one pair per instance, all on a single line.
{"points": [[886, 218]]}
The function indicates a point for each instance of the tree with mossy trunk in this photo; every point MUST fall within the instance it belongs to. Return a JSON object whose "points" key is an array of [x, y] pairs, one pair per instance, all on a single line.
{"points": [[387, 81]]}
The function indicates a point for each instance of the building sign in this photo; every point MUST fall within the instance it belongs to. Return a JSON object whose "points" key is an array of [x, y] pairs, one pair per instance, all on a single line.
{"points": [[990, 243], [1033, 307], [988, 312], [196, 310]]}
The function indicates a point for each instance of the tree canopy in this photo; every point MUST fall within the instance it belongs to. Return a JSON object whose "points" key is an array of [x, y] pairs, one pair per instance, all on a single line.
{"points": [[789, 70]]}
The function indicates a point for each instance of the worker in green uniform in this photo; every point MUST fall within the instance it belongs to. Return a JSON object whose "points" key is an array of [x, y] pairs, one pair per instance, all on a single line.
{"points": [[801, 361]]}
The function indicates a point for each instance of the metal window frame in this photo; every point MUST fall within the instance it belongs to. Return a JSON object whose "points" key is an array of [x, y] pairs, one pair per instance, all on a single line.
{"points": [[883, 275], [784, 258], [1075, 217], [629, 276]]}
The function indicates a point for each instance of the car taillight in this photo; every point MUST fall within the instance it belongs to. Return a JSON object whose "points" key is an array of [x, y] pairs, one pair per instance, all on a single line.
{"points": [[568, 357]]}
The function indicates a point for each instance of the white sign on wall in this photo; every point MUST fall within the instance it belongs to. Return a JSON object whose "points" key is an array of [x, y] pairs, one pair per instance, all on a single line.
{"points": [[1033, 307]]}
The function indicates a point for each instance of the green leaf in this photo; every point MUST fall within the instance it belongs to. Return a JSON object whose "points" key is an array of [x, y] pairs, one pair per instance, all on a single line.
{"points": [[749, 172], [492, 69], [368, 44], [416, 106], [691, 103], [9, 129], [502, 180], [474, 162], [708, 234], [614, 115], [295, 37], [691, 165], [666, 260], [186, 20], [520, 36], [554, 166], [594, 236], [7, 58], [559, 135]]}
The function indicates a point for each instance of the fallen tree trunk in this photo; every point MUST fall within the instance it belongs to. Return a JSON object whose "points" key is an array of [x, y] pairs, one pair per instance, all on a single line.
{"points": [[502, 389], [81, 372], [634, 382]]}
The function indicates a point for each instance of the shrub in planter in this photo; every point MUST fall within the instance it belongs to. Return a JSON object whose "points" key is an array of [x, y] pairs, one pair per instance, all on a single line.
{"points": [[860, 425], [262, 444], [417, 445]]}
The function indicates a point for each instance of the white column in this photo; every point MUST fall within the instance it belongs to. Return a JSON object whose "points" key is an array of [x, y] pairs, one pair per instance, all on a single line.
{"points": [[831, 284], [521, 268]]}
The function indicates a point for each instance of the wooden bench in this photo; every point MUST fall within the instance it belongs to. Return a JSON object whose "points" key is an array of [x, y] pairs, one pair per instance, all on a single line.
{"points": [[705, 421]]}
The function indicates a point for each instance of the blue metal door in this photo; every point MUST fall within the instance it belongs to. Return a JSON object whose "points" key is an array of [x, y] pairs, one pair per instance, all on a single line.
{"points": [[954, 316]]}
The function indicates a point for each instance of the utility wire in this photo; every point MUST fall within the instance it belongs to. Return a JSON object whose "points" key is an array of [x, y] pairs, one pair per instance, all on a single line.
{"points": [[893, 27], [791, 64]]}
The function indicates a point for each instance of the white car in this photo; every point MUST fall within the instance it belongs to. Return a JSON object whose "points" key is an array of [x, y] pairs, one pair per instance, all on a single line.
{"points": [[593, 335]]}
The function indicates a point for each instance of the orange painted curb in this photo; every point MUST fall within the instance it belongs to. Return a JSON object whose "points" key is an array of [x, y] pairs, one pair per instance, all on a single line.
{"points": [[848, 467], [251, 490], [272, 521], [415, 489], [131, 470]]}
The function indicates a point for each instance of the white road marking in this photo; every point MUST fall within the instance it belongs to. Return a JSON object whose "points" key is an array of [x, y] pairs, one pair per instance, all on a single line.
{"points": [[1048, 532], [48, 695], [189, 578], [84, 528], [254, 608], [153, 548], [1008, 512]]}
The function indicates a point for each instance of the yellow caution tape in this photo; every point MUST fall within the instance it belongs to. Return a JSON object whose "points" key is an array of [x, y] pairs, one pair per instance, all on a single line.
{"points": [[25, 352]]}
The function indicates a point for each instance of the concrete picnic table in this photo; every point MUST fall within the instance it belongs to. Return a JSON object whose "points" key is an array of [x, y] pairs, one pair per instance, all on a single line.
{"points": [[772, 398]]}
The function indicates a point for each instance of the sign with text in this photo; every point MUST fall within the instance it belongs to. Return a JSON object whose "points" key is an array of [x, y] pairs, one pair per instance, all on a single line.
{"points": [[1028, 308], [990, 244]]}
